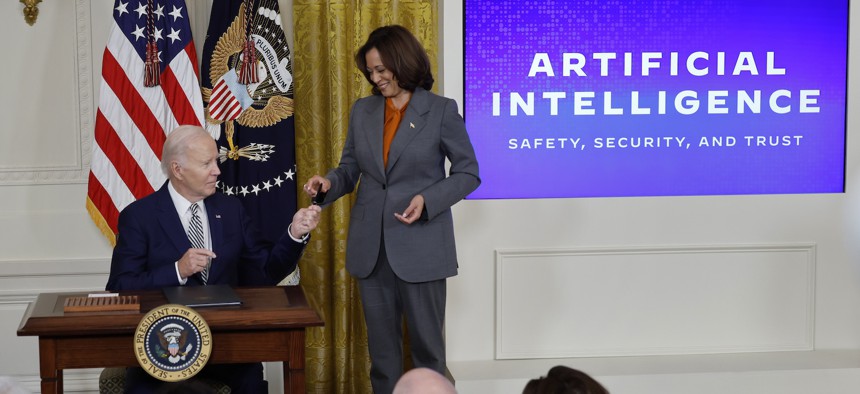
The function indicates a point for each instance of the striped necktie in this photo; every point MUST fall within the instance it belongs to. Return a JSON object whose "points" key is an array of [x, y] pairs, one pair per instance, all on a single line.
{"points": [[195, 235]]}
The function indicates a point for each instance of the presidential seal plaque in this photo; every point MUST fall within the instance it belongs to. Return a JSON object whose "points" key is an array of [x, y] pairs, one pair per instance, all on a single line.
{"points": [[172, 342]]}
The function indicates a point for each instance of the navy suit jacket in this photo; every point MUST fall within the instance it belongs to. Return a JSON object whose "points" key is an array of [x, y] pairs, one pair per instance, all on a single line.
{"points": [[151, 239]]}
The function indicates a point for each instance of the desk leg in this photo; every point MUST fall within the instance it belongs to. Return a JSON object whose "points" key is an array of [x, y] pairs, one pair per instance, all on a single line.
{"points": [[52, 378], [294, 367]]}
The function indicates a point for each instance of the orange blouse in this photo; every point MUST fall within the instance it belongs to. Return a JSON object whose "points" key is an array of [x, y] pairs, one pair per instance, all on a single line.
{"points": [[392, 121]]}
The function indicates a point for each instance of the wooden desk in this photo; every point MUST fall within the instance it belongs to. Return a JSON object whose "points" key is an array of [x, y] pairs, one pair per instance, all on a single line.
{"points": [[269, 326]]}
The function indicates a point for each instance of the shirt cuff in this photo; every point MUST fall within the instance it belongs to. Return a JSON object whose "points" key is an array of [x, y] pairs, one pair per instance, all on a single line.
{"points": [[179, 277], [290, 233]]}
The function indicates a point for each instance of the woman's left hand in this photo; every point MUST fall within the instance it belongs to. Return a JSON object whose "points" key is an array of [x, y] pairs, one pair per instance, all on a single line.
{"points": [[413, 211]]}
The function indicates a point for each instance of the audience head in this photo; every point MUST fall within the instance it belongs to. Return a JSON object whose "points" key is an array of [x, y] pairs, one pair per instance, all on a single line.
{"points": [[190, 160], [564, 380], [423, 381]]}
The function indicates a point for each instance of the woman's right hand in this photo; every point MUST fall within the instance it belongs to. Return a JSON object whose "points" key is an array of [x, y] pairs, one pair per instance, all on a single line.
{"points": [[316, 183]]}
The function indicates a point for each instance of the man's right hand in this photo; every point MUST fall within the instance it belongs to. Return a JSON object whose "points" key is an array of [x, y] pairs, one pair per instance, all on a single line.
{"points": [[193, 261]]}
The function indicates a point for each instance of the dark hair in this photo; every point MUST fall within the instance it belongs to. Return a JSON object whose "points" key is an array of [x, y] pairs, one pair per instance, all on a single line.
{"points": [[564, 380], [401, 53]]}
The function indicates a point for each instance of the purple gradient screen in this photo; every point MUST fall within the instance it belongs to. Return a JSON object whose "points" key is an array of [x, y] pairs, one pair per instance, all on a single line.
{"points": [[656, 98]]}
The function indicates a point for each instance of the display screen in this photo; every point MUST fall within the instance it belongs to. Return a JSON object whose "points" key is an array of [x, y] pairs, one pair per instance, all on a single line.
{"points": [[656, 98]]}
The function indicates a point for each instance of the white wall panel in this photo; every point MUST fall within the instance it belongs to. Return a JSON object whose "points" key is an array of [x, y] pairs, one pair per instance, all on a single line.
{"points": [[21, 281], [20, 354], [46, 109], [28, 278], [654, 300]]}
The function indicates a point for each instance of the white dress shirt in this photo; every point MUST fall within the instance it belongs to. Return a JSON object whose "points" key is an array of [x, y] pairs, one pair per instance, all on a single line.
{"points": [[183, 209]]}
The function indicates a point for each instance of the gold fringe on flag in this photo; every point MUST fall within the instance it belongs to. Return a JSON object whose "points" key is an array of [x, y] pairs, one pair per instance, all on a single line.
{"points": [[100, 222]]}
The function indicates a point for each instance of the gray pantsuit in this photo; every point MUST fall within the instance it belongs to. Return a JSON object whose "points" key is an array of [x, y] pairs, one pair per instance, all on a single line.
{"points": [[402, 268]]}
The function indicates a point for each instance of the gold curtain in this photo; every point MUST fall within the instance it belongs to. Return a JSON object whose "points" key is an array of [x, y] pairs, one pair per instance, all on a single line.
{"points": [[327, 82]]}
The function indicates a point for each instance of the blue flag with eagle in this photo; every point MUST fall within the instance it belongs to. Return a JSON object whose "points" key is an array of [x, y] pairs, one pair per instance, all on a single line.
{"points": [[248, 92]]}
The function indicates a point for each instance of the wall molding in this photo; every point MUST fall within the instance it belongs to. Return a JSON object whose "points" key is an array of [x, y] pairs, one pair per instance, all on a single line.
{"points": [[53, 267], [74, 381], [546, 300], [23, 280], [79, 171]]}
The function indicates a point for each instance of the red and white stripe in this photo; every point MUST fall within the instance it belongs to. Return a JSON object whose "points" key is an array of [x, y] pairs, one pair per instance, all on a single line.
{"points": [[131, 126], [223, 104]]}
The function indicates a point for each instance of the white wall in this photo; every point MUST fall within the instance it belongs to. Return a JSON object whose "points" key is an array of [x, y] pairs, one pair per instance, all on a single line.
{"points": [[651, 295], [697, 286]]}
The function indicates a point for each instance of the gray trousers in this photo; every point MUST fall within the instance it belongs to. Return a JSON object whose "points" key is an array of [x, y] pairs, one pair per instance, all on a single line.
{"points": [[386, 299]]}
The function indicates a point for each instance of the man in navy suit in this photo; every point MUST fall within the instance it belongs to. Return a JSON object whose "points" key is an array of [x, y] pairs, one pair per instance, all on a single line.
{"points": [[153, 249]]}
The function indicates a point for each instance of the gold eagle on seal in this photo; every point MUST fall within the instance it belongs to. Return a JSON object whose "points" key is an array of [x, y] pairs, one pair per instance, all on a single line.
{"points": [[258, 104]]}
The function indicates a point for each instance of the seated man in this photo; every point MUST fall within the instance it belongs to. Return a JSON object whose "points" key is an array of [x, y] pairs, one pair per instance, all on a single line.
{"points": [[186, 234]]}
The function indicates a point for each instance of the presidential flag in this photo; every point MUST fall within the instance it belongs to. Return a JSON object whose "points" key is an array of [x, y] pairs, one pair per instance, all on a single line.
{"points": [[248, 91], [149, 86]]}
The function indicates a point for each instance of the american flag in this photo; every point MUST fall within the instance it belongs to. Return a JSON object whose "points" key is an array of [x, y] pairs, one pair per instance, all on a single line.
{"points": [[133, 120]]}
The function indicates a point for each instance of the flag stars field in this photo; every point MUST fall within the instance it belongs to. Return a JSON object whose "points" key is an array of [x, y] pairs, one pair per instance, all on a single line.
{"points": [[122, 8], [176, 13]]}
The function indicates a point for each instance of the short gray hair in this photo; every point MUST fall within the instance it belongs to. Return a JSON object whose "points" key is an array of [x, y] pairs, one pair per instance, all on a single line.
{"points": [[177, 144]]}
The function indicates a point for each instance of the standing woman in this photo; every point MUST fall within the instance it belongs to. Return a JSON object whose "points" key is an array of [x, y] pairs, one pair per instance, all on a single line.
{"points": [[400, 245]]}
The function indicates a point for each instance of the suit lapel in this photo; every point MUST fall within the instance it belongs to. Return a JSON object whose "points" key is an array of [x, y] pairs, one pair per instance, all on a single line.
{"points": [[411, 124], [373, 125], [216, 231]]}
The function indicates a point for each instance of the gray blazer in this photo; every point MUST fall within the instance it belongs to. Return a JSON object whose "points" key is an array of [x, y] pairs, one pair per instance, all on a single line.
{"points": [[431, 130]]}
